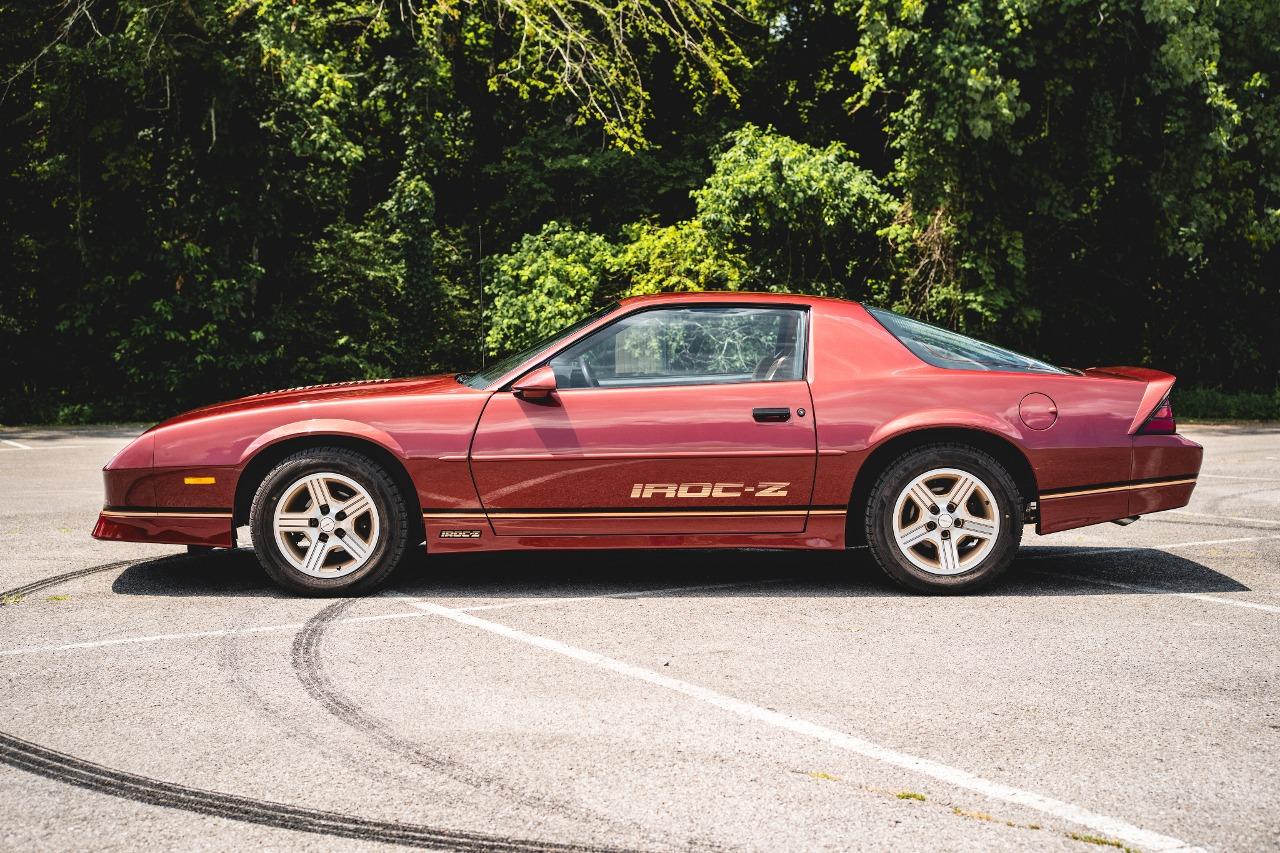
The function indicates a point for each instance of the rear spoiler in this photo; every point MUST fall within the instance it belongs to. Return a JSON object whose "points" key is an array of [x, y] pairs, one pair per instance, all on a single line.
{"points": [[1158, 385]]}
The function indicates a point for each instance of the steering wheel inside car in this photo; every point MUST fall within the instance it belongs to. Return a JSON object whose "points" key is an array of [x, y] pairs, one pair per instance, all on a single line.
{"points": [[587, 375]]}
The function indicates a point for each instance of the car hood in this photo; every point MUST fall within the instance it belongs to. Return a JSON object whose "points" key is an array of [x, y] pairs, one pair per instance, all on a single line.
{"points": [[362, 388]]}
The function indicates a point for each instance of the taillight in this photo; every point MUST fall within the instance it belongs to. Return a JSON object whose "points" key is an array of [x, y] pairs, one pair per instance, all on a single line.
{"points": [[1161, 420]]}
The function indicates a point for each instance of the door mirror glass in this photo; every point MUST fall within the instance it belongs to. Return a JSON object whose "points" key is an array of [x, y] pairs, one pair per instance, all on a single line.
{"points": [[535, 385]]}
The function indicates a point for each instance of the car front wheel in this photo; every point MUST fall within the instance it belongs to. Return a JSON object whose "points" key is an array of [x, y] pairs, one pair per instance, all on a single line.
{"points": [[328, 521], [944, 518]]}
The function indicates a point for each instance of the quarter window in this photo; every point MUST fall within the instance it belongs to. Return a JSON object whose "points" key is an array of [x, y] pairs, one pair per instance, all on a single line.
{"points": [[688, 346], [943, 348]]}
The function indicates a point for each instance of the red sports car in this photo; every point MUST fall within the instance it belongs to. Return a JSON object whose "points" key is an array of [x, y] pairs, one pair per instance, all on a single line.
{"points": [[708, 420]]}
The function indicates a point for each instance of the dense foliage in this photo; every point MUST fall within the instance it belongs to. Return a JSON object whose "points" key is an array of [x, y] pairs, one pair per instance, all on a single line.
{"points": [[210, 197]]}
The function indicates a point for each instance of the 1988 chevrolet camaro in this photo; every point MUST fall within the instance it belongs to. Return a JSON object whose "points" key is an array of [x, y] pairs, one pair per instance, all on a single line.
{"points": [[674, 421]]}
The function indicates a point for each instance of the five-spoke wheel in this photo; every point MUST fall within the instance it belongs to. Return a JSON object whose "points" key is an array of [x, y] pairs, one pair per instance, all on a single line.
{"points": [[944, 521], [328, 520], [325, 525], [944, 518]]}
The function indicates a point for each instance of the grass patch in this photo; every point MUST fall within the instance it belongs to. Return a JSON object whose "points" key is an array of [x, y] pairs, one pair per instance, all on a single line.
{"points": [[910, 795], [1212, 404], [58, 597], [986, 817], [974, 815], [825, 777], [1098, 840], [7, 600]]}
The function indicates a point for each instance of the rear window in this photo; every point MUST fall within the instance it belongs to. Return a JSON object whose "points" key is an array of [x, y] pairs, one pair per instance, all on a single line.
{"points": [[944, 348]]}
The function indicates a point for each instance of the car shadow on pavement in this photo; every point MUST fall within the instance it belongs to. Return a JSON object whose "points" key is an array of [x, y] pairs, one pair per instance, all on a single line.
{"points": [[796, 574], [219, 572]]}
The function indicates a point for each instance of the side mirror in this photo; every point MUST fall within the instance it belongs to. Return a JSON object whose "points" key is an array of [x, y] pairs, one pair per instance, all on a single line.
{"points": [[536, 385]]}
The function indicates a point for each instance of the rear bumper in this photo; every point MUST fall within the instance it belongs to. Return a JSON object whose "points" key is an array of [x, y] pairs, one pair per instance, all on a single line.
{"points": [[1164, 472], [142, 524]]}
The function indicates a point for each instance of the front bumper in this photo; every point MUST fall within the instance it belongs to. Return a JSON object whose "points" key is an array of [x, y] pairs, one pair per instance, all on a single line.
{"points": [[178, 506], [135, 524]]}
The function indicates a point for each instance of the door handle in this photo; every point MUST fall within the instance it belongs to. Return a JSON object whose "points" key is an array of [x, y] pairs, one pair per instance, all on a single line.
{"points": [[771, 416]]}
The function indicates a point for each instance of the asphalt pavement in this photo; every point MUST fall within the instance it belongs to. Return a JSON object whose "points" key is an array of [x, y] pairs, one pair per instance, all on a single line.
{"points": [[1119, 687]]}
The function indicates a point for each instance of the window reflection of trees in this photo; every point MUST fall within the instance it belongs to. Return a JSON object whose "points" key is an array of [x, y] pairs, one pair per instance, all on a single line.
{"points": [[693, 343]]}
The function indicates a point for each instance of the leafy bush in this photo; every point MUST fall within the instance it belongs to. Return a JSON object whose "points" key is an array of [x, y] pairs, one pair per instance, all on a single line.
{"points": [[549, 280], [1214, 404], [679, 257], [205, 199], [803, 219]]}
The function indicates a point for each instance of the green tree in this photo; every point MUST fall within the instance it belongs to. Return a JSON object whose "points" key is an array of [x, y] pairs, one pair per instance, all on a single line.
{"points": [[680, 257], [803, 219], [548, 281], [1114, 164]]}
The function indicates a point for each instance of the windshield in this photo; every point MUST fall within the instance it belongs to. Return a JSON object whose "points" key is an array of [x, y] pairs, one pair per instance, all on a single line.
{"points": [[943, 348], [484, 378]]}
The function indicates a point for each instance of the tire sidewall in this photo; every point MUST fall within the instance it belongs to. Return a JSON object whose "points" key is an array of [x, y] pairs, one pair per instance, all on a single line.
{"points": [[880, 513], [386, 501]]}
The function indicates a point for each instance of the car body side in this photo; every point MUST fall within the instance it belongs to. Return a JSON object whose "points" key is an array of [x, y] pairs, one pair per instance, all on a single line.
{"points": [[189, 480]]}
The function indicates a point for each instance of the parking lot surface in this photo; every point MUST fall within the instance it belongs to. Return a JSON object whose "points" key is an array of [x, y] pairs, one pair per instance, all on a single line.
{"points": [[1119, 687]]}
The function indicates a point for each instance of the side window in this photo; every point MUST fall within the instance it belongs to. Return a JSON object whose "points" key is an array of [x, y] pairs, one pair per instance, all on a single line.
{"points": [[688, 346]]}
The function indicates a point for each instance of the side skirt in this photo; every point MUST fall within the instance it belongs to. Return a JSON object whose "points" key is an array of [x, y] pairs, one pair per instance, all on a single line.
{"points": [[454, 531]]}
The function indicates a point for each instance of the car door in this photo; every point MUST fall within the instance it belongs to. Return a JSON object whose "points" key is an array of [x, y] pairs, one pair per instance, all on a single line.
{"points": [[670, 420]]}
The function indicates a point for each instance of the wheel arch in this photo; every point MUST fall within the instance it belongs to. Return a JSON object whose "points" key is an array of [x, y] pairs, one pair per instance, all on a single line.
{"points": [[883, 454], [267, 455]]}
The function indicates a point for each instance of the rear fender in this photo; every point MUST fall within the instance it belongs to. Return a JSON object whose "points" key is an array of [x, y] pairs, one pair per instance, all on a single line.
{"points": [[944, 419], [1158, 385]]}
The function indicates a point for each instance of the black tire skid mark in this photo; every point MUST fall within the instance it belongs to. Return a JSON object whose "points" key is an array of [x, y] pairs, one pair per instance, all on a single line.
{"points": [[232, 664], [60, 767], [54, 580], [309, 669]]}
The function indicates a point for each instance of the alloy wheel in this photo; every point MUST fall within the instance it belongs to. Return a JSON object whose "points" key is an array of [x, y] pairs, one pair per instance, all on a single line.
{"points": [[326, 525], [946, 521]]}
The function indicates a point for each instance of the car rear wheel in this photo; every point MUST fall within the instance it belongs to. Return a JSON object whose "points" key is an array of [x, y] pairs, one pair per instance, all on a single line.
{"points": [[944, 518], [328, 521]]}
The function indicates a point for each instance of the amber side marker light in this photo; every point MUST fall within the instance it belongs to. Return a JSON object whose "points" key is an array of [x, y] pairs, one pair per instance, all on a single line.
{"points": [[199, 481], [1161, 420]]}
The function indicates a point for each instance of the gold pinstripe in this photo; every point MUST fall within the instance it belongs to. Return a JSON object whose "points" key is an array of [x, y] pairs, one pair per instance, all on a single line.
{"points": [[115, 513], [640, 514], [1129, 488]]}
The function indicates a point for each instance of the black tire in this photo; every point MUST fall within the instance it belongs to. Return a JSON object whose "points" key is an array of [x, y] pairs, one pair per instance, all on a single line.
{"points": [[898, 476], [388, 502]]}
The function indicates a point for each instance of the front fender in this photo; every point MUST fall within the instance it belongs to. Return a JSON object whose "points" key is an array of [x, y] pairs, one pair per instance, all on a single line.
{"points": [[322, 426]]}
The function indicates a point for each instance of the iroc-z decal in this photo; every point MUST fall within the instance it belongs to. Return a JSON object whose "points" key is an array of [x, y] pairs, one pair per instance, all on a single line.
{"points": [[459, 534], [708, 490]]}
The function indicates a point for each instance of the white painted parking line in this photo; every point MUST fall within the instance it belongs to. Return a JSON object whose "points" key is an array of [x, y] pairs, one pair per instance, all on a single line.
{"points": [[1223, 517], [1093, 552], [19, 445], [640, 593], [350, 620], [1079, 815], [1198, 542], [1133, 587], [193, 635], [1234, 477]]}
